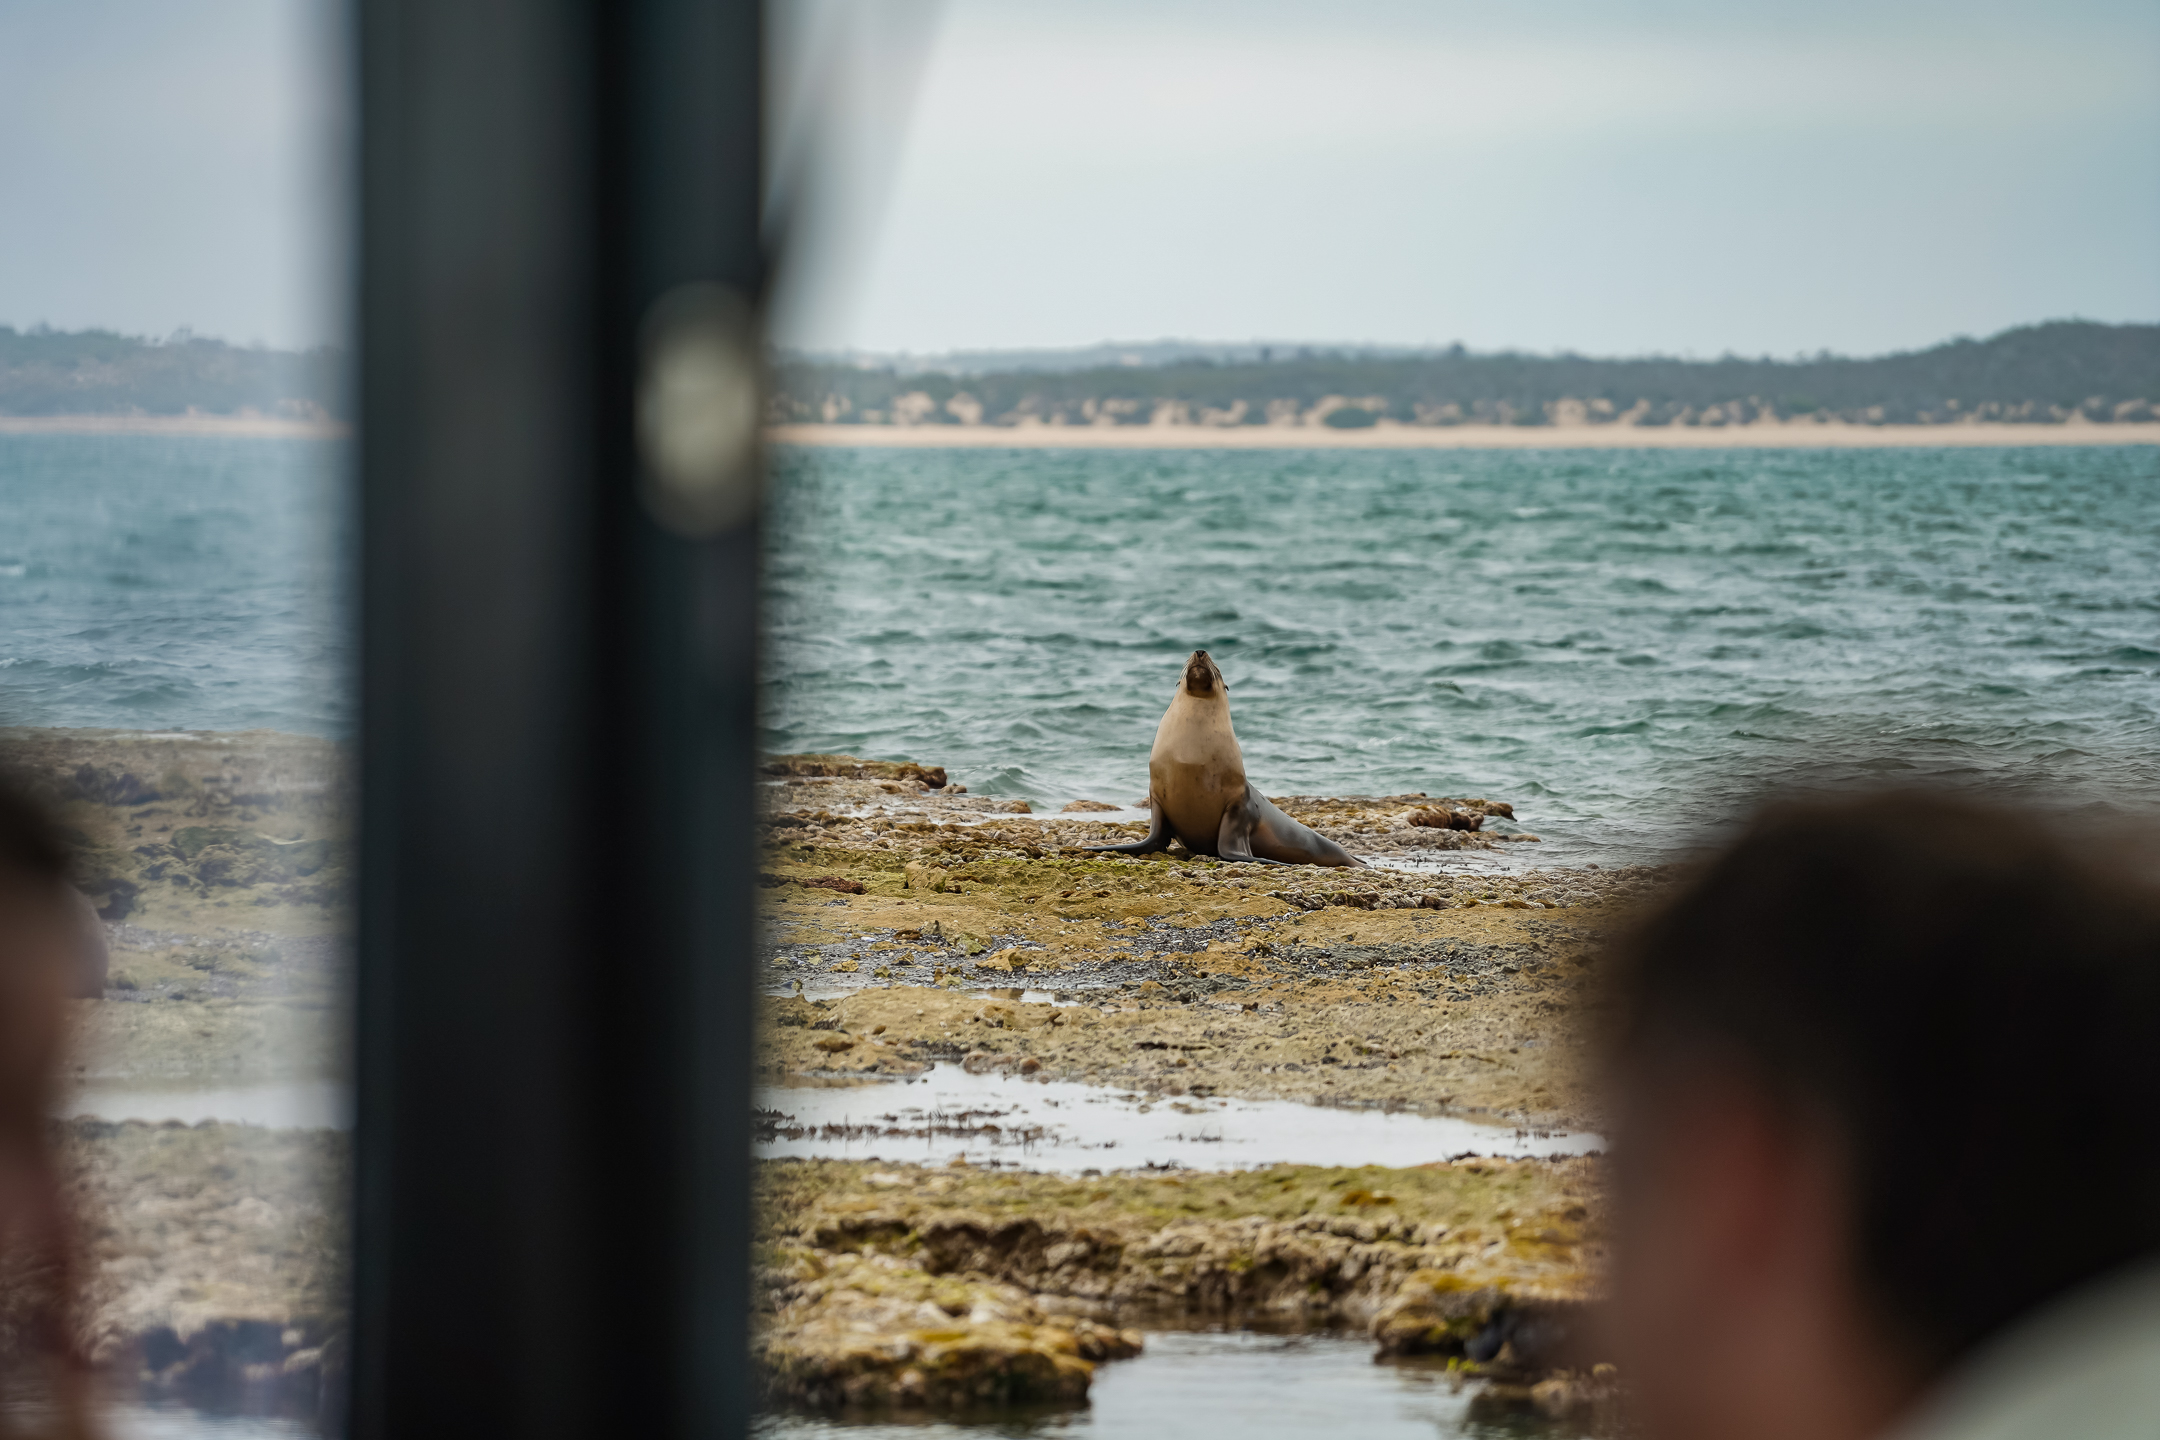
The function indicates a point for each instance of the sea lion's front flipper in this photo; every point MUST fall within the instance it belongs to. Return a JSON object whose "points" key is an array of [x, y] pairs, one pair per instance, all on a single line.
{"points": [[1158, 835], [1233, 840]]}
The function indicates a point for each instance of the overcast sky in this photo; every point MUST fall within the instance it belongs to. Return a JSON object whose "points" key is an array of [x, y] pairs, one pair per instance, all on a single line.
{"points": [[1692, 176], [1602, 176], [170, 163]]}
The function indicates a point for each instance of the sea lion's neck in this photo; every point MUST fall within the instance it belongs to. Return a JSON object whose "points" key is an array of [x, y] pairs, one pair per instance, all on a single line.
{"points": [[1200, 718], [1213, 703]]}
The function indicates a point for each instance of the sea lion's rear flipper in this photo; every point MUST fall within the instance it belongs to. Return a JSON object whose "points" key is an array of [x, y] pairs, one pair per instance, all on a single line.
{"points": [[1158, 835], [1285, 841], [1233, 841]]}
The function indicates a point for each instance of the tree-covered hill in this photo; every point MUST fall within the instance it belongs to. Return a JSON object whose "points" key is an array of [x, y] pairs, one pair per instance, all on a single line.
{"points": [[96, 372], [2038, 374], [2048, 373]]}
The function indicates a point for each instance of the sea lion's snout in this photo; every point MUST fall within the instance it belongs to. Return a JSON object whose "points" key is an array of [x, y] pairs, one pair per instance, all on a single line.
{"points": [[1201, 676]]}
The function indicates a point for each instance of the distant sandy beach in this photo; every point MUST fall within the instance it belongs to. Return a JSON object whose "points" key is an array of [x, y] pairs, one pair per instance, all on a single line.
{"points": [[1242, 437], [256, 427], [1457, 437]]}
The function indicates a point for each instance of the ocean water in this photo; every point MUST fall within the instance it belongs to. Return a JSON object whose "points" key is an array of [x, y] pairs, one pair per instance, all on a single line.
{"points": [[1628, 645], [193, 583]]}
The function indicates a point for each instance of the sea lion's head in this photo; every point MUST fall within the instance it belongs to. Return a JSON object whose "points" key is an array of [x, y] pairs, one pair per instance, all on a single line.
{"points": [[1202, 679]]}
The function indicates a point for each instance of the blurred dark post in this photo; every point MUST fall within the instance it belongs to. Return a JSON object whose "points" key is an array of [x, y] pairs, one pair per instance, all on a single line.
{"points": [[560, 261]]}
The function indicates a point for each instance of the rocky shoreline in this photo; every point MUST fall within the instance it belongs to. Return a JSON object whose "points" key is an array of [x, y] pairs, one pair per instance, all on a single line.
{"points": [[214, 1262], [910, 926], [213, 1255], [904, 926], [907, 924], [909, 1286]]}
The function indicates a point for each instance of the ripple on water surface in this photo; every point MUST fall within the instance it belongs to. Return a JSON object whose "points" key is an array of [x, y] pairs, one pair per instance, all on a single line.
{"points": [[159, 581]]}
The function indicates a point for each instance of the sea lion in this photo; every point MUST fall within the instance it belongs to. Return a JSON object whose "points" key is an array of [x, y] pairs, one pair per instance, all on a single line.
{"points": [[1198, 792]]}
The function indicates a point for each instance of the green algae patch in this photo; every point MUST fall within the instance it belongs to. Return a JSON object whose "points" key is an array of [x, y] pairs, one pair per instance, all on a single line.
{"points": [[1351, 1042], [198, 831]]}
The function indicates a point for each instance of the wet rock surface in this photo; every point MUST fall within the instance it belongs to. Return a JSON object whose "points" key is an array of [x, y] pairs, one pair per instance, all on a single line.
{"points": [[845, 1330], [221, 865], [910, 925], [180, 826], [1441, 991], [1352, 1043], [1488, 1261], [990, 939], [214, 1261], [213, 1254]]}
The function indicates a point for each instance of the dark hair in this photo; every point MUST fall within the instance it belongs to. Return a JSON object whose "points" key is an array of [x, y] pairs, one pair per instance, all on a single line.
{"points": [[39, 1258], [1971, 1000], [30, 844]]}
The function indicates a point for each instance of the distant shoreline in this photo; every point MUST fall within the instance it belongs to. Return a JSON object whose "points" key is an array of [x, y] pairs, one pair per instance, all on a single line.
{"points": [[1789, 436], [253, 427], [1760, 436]]}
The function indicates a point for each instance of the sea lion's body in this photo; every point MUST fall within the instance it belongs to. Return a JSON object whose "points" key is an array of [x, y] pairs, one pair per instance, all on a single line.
{"points": [[1198, 792]]}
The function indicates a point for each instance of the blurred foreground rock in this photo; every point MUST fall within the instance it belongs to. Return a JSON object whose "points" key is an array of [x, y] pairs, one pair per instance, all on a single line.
{"points": [[843, 1330], [947, 1287], [214, 1266]]}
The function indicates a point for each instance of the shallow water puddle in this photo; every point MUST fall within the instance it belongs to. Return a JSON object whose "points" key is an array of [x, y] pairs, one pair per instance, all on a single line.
{"points": [[287, 1105], [1253, 1386], [1029, 997], [172, 1422], [166, 1422], [1067, 1128]]}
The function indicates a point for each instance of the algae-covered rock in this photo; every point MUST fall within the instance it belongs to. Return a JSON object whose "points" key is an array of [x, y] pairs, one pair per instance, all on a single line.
{"points": [[110, 785], [847, 767], [106, 876], [281, 858], [1513, 1338], [876, 1332], [214, 857], [1436, 1312]]}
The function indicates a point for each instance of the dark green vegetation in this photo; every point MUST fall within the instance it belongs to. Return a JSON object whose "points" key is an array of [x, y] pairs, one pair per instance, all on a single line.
{"points": [[2037, 374], [95, 372]]}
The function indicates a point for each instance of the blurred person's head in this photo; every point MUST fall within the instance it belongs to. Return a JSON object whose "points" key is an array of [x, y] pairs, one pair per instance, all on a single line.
{"points": [[1883, 1076], [41, 947]]}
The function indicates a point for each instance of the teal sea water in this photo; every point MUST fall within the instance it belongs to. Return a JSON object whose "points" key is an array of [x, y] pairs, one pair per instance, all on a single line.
{"points": [[156, 583], [1629, 645]]}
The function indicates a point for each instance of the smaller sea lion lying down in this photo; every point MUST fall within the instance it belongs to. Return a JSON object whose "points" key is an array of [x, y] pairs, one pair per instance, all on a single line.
{"points": [[1198, 791]]}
